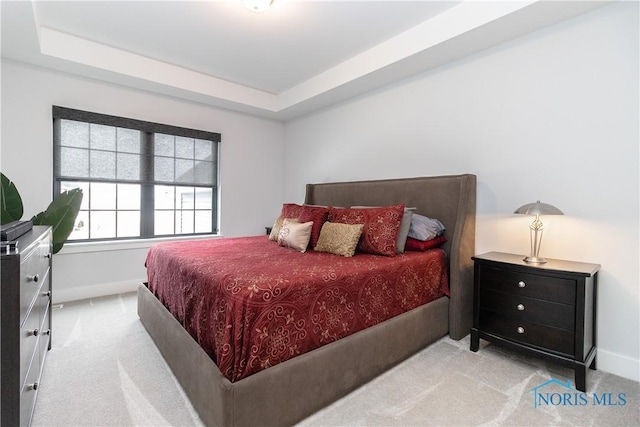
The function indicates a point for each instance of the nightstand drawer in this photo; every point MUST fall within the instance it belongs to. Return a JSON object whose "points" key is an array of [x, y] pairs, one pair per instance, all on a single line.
{"points": [[527, 309], [530, 285], [549, 338]]}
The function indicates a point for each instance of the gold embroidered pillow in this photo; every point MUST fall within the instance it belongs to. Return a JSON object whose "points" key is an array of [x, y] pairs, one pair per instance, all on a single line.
{"points": [[339, 239], [295, 235], [275, 230]]}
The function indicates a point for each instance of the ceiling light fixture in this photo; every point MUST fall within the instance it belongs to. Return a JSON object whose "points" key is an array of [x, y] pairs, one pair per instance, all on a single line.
{"points": [[258, 6]]}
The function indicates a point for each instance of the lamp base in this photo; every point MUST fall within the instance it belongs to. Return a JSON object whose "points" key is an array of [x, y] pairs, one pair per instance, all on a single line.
{"points": [[534, 260]]}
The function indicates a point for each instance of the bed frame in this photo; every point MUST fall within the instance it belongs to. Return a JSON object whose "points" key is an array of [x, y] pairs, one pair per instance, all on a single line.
{"points": [[290, 391]]}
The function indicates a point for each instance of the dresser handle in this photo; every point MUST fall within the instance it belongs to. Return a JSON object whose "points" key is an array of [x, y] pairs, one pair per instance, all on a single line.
{"points": [[48, 256], [520, 330], [521, 284], [520, 307], [35, 332], [46, 294], [35, 278], [47, 332], [33, 386]]}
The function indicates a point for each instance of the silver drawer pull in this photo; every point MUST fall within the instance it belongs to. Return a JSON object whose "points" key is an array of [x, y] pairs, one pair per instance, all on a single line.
{"points": [[520, 330], [521, 284], [34, 278], [520, 307], [46, 294], [48, 256], [47, 332], [35, 332], [33, 386]]}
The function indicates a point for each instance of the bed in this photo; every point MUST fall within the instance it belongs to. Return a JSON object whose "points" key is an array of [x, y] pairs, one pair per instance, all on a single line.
{"points": [[293, 389]]}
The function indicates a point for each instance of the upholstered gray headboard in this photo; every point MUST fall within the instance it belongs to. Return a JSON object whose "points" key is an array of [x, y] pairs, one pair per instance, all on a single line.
{"points": [[451, 199]]}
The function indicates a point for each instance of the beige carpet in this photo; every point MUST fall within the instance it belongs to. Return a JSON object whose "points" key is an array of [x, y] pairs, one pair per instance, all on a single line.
{"points": [[104, 370]]}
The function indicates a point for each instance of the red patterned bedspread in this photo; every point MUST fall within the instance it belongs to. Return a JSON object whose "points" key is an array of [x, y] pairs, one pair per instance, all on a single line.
{"points": [[252, 304]]}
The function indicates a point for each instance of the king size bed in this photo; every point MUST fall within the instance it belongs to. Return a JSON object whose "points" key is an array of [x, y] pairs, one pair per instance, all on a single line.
{"points": [[288, 332]]}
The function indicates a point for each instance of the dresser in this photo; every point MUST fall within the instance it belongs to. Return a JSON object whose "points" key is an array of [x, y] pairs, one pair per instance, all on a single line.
{"points": [[25, 323], [548, 309]]}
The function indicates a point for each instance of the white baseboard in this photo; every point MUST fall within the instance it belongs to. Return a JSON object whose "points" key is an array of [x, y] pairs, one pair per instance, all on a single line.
{"points": [[93, 291], [617, 364]]}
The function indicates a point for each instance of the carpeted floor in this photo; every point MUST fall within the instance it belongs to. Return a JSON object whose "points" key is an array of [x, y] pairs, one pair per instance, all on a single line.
{"points": [[104, 370]]}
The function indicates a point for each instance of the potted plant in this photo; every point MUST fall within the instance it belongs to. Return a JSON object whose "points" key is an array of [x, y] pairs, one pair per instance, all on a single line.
{"points": [[60, 214]]}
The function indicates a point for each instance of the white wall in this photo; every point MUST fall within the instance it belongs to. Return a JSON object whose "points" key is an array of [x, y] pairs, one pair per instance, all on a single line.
{"points": [[550, 116], [251, 168]]}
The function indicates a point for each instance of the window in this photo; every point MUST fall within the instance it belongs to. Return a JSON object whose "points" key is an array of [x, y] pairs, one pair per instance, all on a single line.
{"points": [[139, 179]]}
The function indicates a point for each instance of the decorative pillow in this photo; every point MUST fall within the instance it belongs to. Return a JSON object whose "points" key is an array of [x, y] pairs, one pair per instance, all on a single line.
{"points": [[295, 235], [290, 210], [306, 213], [381, 226], [424, 228], [339, 239], [404, 226], [275, 230], [318, 215], [420, 245]]}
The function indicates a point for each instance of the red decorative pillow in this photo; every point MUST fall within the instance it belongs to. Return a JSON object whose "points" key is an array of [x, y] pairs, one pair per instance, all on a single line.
{"points": [[290, 210], [306, 213], [318, 215], [420, 245], [381, 226]]}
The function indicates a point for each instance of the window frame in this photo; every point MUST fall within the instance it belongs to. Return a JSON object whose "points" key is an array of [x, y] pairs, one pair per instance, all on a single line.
{"points": [[146, 180]]}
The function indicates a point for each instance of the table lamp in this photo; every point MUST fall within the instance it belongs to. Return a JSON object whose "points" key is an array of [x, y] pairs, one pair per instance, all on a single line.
{"points": [[536, 227]]}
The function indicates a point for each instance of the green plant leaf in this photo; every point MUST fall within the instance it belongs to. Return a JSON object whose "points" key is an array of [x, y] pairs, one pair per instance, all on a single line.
{"points": [[10, 201], [61, 216]]}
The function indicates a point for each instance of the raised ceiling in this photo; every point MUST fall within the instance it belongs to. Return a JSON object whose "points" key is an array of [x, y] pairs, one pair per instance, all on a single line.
{"points": [[297, 57]]}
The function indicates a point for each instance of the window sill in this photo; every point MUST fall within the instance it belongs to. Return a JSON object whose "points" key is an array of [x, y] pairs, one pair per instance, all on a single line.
{"points": [[88, 247]]}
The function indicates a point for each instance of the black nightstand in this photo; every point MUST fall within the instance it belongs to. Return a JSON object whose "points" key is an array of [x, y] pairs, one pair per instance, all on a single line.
{"points": [[545, 309]]}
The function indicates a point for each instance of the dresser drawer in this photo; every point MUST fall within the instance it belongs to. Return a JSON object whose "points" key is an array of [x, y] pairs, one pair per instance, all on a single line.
{"points": [[29, 392], [546, 337], [525, 309], [32, 363], [42, 303], [529, 285], [44, 338], [33, 273], [29, 334]]}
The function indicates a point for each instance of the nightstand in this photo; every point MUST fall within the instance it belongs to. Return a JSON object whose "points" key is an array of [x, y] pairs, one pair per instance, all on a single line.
{"points": [[545, 309]]}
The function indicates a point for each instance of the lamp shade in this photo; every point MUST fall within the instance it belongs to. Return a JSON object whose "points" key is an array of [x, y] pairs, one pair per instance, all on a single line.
{"points": [[538, 208]]}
